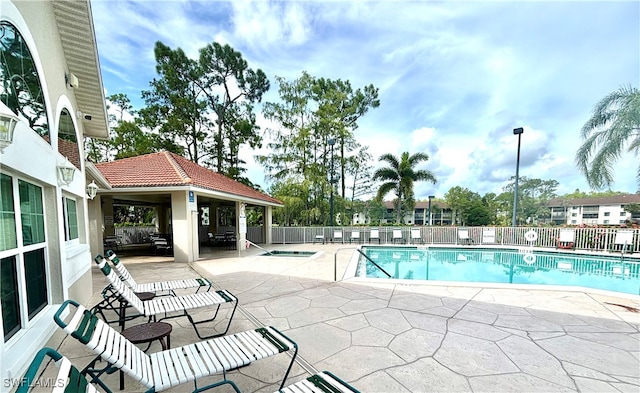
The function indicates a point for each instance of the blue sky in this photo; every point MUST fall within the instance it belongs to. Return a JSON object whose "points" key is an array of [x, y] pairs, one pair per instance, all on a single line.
{"points": [[455, 77]]}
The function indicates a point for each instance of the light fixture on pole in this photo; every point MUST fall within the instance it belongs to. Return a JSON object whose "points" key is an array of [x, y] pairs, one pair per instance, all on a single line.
{"points": [[429, 211], [8, 123], [65, 173], [331, 143], [92, 190], [516, 131]]}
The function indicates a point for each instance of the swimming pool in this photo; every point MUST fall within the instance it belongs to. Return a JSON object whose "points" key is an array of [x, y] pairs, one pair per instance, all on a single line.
{"points": [[495, 265]]}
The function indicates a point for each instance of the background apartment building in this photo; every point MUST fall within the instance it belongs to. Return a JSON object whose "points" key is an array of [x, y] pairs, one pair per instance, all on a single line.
{"points": [[609, 210]]}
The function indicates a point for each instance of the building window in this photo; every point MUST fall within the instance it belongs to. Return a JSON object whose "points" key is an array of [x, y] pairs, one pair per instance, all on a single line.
{"points": [[9, 239], [623, 214], [574, 214], [607, 214], [67, 139], [23, 275], [9, 297], [623, 221], [31, 213], [606, 221], [36, 281], [70, 219], [573, 221], [21, 90]]}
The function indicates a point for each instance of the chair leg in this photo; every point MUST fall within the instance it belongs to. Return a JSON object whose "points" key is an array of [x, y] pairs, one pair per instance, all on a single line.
{"points": [[195, 323]]}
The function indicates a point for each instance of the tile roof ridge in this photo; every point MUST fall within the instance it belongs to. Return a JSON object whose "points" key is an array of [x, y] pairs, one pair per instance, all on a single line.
{"points": [[179, 169]]}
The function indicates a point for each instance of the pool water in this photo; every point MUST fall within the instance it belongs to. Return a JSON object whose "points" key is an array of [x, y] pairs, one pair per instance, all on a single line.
{"points": [[493, 265], [288, 254]]}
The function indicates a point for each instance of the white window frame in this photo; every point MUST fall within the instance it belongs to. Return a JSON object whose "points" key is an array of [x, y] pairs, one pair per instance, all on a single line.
{"points": [[19, 252]]}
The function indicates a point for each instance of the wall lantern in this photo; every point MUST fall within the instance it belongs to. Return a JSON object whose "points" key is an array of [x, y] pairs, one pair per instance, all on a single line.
{"points": [[8, 123], [65, 173], [92, 189]]}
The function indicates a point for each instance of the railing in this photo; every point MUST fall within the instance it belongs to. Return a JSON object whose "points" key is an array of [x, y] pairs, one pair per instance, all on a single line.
{"points": [[590, 238]]}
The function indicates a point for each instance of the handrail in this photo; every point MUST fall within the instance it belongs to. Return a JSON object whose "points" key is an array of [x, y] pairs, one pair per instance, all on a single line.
{"points": [[257, 246], [375, 264], [335, 261]]}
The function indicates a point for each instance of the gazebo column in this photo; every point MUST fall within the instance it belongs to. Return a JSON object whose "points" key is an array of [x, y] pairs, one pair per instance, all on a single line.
{"points": [[267, 223], [184, 223], [241, 225]]}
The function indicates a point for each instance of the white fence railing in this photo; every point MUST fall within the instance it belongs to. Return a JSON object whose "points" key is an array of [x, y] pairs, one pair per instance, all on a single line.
{"points": [[585, 238], [589, 238]]}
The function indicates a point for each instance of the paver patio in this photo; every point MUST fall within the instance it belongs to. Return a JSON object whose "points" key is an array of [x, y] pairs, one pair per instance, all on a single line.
{"points": [[399, 337]]}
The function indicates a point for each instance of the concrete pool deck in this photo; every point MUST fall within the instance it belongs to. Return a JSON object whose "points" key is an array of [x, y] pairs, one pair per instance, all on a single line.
{"points": [[407, 337]]}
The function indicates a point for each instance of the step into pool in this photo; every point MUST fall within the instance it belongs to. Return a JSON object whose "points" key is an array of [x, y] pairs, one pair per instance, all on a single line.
{"points": [[294, 254]]}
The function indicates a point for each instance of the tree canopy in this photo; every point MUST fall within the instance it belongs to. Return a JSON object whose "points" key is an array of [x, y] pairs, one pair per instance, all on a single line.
{"points": [[399, 176], [613, 128]]}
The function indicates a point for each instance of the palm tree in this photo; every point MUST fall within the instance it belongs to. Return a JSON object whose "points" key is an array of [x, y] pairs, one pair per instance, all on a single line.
{"points": [[613, 128], [400, 175]]}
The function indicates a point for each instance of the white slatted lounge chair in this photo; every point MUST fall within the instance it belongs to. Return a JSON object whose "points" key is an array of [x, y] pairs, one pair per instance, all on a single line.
{"points": [[374, 234], [624, 239], [463, 236], [397, 236], [567, 239], [169, 306], [158, 286], [416, 236], [112, 302], [68, 377], [318, 238], [165, 369], [337, 236], [320, 383], [355, 236]]}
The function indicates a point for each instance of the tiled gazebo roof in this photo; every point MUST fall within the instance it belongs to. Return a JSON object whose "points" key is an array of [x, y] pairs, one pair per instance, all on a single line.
{"points": [[168, 169]]}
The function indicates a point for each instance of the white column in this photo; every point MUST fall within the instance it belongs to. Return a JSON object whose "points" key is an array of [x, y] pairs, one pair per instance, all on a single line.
{"points": [[268, 224]]}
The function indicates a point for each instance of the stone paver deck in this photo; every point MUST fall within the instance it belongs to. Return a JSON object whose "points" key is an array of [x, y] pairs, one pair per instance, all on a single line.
{"points": [[399, 337]]}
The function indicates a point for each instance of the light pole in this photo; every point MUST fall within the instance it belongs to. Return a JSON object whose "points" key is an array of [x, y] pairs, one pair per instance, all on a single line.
{"points": [[516, 131], [331, 143], [429, 210]]}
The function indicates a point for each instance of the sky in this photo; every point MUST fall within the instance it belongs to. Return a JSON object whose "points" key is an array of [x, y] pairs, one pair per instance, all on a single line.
{"points": [[454, 77]]}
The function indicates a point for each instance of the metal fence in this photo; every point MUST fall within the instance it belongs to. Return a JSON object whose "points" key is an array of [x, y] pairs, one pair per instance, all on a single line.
{"points": [[588, 238]]}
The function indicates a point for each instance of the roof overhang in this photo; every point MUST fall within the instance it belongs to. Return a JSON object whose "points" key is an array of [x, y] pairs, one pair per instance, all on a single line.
{"points": [[75, 25], [201, 191], [93, 174]]}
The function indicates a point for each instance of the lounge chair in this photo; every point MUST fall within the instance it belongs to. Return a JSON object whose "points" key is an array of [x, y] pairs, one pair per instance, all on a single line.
{"points": [[168, 306], [374, 234], [320, 382], [337, 236], [623, 241], [158, 286], [397, 236], [69, 378], [488, 235], [463, 236], [168, 368], [355, 236], [160, 244], [318, 238], [567, 239], [416, 236]]}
